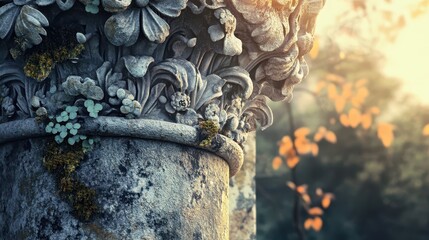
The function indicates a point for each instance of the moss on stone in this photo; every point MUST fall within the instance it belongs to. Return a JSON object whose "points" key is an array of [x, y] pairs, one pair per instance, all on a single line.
{"points": [[59, 47], [63, 162], [209, 129], [40, 65]]}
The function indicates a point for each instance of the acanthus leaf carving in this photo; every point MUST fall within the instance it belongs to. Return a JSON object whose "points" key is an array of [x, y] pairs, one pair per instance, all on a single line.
{"points": [[181, 61]]}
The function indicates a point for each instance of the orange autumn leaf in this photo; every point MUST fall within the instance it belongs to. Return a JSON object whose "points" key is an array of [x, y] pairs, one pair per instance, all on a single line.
{"points": [[340, 104], [320, 134], [285, 145], [426, 130], [302, 189], [347, 90], [315, 149], [374, 110], [385, 133], [326, 201], [319, 192], [344, 120], [292, 161], [302, 132], [306, 198], [331, 137], [361, 94], [355, 117], [314, 52], [277, 162], [332, 91], [366, 120], [317, 224], [315, 211], [308, 223], [303, 145], [291, 185]]}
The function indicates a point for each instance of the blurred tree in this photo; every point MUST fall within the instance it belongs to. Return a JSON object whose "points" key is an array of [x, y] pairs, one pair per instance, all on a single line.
{"points": [[380, 192]]}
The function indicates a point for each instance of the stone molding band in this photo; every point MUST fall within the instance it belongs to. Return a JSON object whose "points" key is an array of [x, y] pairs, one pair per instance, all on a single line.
{"points": [[222, 146]]}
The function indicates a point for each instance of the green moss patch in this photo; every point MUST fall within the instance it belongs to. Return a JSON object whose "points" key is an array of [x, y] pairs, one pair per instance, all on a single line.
{"points": [[63, 161], [60, 45], [208, 129]]}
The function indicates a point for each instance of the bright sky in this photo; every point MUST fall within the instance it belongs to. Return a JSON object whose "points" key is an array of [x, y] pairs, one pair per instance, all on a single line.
{"points": [[407, 58]]}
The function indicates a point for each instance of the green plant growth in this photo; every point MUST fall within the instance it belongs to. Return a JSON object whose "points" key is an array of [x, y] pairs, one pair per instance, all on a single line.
{"points": [[63, 163], [65, 126], [209, 129], [93, 108], [41, 59]]}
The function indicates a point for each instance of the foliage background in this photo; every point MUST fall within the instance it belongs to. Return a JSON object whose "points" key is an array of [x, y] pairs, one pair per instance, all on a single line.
{"points": [[380, 192]]}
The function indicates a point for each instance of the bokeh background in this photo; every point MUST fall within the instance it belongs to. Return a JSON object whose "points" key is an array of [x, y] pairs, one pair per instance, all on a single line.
{"points": [[369, 87]]}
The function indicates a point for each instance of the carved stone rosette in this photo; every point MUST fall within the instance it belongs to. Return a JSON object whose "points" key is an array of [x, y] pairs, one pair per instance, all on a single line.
{"points": [[189, 72]]}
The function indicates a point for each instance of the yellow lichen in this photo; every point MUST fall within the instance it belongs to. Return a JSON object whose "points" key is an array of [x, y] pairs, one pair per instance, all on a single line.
{"points": [[209, 129], [40, 64], [63, 162]]}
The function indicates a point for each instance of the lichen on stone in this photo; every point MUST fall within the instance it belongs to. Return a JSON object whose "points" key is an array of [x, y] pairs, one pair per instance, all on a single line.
{"points": [[59, 47], [40, 65], [208, 129], [63, 161]]}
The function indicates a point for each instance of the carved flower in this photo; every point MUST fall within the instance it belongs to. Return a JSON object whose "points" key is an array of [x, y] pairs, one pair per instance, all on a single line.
{"points": [[230, 45], [212, 112], [124, 27], [7, 107], [29, 21], [268, 20], [179, 102]]}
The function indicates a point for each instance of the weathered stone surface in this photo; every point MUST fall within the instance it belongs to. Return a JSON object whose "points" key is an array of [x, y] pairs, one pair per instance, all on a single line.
{"points": [[145, 189], [133, 128], [242, 202]]}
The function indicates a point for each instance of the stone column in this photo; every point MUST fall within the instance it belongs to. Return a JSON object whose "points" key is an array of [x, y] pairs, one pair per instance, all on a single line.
{"points": [[126, 119], [242, 200]]}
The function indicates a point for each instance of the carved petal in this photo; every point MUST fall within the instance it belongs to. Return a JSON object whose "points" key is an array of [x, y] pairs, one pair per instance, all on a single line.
{"points": [[280, 68], [232, 45], [213, 89], [270, 34], [8, 15], [168, 7], [258, 110], [44, 2], [137, 66], [154, 27], [30, 23], [102, 73], [216, 32], [271, 24], [240, 77], [123, 28], [180, 73], [115, 5], [65, 4], [21, 2]]}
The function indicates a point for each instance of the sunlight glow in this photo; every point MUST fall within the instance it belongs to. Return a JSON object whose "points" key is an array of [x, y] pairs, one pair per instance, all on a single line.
{"points": [[406, 58]]}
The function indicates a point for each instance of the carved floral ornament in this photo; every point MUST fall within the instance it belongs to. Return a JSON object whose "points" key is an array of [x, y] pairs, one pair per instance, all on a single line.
{"points": [[180, 61]]}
